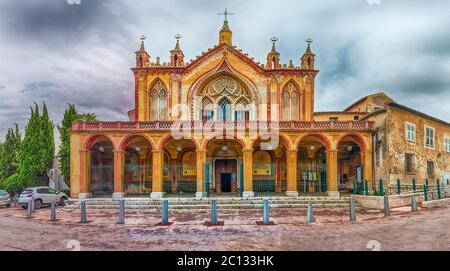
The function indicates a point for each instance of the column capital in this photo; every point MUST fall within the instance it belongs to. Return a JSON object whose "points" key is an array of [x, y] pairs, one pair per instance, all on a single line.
{"points": [[291, 151], [118, 151], [331, 151], [200, 151], [247, 150], [157, 151], [85, 150]]}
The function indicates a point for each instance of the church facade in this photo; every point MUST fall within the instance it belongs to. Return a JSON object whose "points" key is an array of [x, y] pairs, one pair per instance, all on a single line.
{"points": [[222, 124]]}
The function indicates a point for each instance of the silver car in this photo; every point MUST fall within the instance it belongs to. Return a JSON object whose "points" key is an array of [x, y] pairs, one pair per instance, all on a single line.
{"points": [[42, 196], [5, 199]]}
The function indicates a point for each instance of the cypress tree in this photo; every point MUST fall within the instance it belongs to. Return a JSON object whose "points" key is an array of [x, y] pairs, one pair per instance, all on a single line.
{"points": [[9, 153]]}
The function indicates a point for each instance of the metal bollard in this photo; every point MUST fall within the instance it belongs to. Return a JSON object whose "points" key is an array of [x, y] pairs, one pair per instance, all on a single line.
{"points": [[425, 192], [386, 206], [414, 185], [30, 208], [399, 189], [83, 211], [165, 212], [381, 186], [266, 219], [438, 189], [413, 204], [352, 210], [214, 212], [310, 214], [366, 187], [122, 211], [53, 211]]}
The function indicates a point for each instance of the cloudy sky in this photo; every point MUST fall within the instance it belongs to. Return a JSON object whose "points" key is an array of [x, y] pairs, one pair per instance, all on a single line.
{"points": [[81, 53]]}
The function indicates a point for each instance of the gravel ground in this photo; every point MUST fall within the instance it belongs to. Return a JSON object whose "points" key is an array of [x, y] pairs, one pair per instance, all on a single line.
{"points": [[426, 230]]}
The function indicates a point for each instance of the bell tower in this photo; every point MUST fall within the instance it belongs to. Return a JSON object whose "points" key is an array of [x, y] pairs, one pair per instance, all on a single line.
{"points": [[273, 57], [176, 55], [142, 57], [308, 57]]}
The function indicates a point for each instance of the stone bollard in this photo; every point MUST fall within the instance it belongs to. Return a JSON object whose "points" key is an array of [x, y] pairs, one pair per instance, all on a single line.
{"points": [[83, 211], [53, 211], [386, 206], [413, 204], [122, 211], [165, 212], [213, 212], [352, 210], [30, 208], [310, 214], [266, 219]]}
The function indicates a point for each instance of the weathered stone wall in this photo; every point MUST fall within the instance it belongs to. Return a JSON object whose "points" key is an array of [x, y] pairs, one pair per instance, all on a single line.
{"points": [[396, 146], [377, 202]]}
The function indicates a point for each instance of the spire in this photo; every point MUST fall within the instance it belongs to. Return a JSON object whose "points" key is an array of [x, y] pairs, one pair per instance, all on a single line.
{"points": [[176, 55], [225, 35], [273, 57], [142, 57], [308, 57], [274, 50]]}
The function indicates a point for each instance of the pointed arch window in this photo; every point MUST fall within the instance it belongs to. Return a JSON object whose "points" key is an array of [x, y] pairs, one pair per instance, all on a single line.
{"points": [[242, 112], [158, 102], [290, 103], [207, 112], [224, 110]]}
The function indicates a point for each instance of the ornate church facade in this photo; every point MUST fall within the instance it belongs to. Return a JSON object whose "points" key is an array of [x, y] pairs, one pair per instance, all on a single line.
{"points": [[222, 124]]}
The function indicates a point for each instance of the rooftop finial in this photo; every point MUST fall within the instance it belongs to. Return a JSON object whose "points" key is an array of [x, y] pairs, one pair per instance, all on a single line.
{"points": [[309, 41], [177, 37], [226, 13], [143, 37], [308, 49], [274, 40]]}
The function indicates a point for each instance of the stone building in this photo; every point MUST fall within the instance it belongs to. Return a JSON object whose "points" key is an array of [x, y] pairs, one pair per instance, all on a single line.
{"points": [[222, 124], [407, 144]]}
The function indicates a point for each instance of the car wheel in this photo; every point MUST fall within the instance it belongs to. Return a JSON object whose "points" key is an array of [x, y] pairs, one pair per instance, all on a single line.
{"points": [[61, 201], [24, 206], [8, 205], [37, 204]]}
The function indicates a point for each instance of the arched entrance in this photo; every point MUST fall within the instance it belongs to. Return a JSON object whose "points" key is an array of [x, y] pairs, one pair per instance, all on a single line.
{"points": [[350, 164], [179, 167], [137, 179], [312, 165], [101, 168], [269, 168], [223, 166]]}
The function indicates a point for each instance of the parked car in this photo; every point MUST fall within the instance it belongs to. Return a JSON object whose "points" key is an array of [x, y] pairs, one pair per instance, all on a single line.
{"points": [[5, 199], [42, 196]]}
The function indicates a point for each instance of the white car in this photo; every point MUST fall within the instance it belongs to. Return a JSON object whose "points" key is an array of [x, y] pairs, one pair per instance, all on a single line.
{"points": [[42, 196], [5, 199]]}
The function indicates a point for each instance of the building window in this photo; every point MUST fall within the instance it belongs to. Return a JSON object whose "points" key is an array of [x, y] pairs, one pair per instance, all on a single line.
{"points": [[410, 132], [158, 98], [290, 103], [355, 118], [430, 168], [429, 137], [334, 119], [409, 163], [447, 144]]}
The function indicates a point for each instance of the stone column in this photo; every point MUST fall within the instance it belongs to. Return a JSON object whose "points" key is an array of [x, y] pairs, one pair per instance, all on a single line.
{"points": [[291, 163], [119, 172], [85, 162], [366, 161], [157, 178], [332, 185], [201, 160], [248, 173]]}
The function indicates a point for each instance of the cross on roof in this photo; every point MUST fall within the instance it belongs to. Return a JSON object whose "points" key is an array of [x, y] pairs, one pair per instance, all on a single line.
{"points": [[309, 41], [143, 37], [226, 13]]}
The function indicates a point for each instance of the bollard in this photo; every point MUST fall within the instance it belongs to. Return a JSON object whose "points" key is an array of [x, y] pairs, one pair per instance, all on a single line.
{"points": [[399, 190], [425, 194], [122, 211], [355, 188], [165, 212], [29, 208], [266, 219], [381, 187], [413, 204], [426, 182], [366, 187], [386, 206], [352, 210], [83, 211], [310, 215], [53, 211], [438, 187], [213, 212], [414, 185]]}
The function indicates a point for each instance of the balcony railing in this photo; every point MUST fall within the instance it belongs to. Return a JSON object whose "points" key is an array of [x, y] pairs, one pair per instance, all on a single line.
{"points": [[209, 125]]}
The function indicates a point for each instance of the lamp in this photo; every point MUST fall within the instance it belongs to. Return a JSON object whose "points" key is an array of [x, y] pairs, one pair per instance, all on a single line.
{"points": [[137, 149], [101, 149], [179, 149], [349, 148], [311, 148]]}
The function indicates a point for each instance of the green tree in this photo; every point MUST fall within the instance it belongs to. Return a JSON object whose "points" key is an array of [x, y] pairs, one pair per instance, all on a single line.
{"points": [[9, 153], [70, 116]]}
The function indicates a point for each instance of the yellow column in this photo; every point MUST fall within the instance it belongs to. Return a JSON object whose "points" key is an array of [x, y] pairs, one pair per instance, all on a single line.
{"points": [[248, 172], [291, 169], [157, 178], [85, 162], [201, 160], [332, 180], [366, 161], [119, 170]]}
